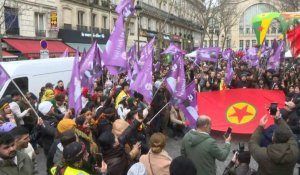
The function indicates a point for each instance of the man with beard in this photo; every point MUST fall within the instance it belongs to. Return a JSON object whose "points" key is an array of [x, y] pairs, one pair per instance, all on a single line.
{"points": [[60, 89], [12, 161], [22, 138]]}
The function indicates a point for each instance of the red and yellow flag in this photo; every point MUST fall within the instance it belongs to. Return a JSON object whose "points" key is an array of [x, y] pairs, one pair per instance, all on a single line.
{"points": [[239, 108]]}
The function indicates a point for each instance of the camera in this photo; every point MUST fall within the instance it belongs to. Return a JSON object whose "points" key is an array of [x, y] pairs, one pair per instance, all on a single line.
{"points": [[240, 149]]}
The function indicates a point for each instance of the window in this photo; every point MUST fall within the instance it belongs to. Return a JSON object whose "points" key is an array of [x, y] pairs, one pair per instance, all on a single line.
{"points": [[247, 43], [80, 18], [115, 20], [11, 21], [241, 30], [39, 24], [247, 30], [211, 43], [267, 42], [216, 43], [241, 44], [228, 43], [205, 43], [104, 22], [253, 43], [149, 23], [131, 28], [94, 20], [22, 82]]}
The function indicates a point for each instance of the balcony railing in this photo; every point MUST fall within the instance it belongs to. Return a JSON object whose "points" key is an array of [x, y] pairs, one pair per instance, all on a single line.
{"points": [[82, 28], [104, 30], [41, 33], [13, 31], [104, 3], [95, 29], [68, 26]]}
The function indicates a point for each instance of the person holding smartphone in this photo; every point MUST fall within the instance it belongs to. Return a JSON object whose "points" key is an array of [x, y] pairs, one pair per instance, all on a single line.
{"points": [[202, 149], [279, 157]]}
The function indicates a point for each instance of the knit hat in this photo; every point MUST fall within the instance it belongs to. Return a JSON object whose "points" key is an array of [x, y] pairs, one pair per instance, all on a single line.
{"points": [[65, 125], [119, 126], [182, 165], [8, 126], [137, 169], [45, 107]]}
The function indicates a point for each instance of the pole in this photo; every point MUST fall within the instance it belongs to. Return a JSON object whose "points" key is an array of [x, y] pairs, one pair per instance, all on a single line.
{"points": [[138, 36], [34, 111], [148, 123], [92, 25]]}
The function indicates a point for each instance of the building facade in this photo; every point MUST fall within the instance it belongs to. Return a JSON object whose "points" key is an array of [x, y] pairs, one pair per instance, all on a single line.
{"points": [[25, 23], [242, 36], [174, 20]]}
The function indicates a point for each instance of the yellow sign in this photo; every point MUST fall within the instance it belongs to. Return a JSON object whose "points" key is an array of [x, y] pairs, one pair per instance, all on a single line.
{"points": [[53, 19], [240, 113]]}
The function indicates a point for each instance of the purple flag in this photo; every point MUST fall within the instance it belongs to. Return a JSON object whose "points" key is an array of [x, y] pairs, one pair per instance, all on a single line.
{"points": [[227, 54], [143, 83], [157, 66], [146, 52], [125, 7], [75, 87], [131, 56], [251, 57], [208, 54], [229, 68], [114, 54], [82, 56], [91, 66], [175, 80], [188, 106], [65, 54], [173, 49], [3, 76], [274, 60]]}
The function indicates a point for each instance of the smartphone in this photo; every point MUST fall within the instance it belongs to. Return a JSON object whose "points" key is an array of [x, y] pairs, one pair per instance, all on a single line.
{"points": [[228, 132], [273, 108]]}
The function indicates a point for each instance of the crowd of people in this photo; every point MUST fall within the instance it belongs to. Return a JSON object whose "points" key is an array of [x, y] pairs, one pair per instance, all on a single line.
{"points": [[113, 135]]}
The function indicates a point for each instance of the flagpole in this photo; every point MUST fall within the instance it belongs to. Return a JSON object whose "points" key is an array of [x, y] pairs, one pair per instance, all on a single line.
{"points": [[148, 123], [34, 111]]}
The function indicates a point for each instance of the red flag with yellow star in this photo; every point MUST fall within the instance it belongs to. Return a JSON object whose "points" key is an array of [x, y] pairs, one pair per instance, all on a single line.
{"points": [[239, 108]]}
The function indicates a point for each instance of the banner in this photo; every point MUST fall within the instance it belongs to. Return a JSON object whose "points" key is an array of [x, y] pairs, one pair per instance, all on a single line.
{"points": [[241, 109]]}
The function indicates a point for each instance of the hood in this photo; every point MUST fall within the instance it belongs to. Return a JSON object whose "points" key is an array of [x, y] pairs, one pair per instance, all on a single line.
{"points": [[281, 153], [194, 138]]}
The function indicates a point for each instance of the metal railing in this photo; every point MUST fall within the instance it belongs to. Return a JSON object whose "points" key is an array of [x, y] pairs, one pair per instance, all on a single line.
{"points": [[41, 33]]}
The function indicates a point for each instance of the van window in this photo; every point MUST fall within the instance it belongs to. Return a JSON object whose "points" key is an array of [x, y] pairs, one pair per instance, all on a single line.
{"points": [[22, 82]]}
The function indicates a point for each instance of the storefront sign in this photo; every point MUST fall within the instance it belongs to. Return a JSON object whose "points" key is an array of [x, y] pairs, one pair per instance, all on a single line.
{"points": [[53, 19], [95, 35], [44, 54]]}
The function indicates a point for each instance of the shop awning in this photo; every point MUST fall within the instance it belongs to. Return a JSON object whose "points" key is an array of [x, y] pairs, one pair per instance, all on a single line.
{"points": [[31, 48], [8, 55]]}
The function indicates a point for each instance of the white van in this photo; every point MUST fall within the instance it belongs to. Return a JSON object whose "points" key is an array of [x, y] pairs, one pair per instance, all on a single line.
{"points": [[31, 75]]}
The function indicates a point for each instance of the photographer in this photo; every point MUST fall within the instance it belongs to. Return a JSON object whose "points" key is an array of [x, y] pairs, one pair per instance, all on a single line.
{"points": [[239, 164]]}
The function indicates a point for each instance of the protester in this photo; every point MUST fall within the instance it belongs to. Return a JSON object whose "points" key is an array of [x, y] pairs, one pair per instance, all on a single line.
{"points": [[279, 157], [239, 164], [59, 88], [202, 149], [181, 166], [15, 108], [12, 161], [123, 93], [157, 161]]}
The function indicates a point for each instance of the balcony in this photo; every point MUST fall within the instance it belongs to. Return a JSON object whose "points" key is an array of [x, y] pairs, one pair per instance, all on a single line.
{"points": [[95, 29], [82, 28], [40, 33], [104, 3], [105, 31], [68, 26], [13, 31]]}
